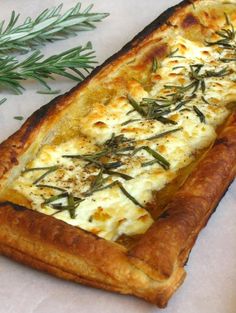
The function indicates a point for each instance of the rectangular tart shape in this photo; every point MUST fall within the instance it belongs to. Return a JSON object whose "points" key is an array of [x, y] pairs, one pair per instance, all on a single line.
{"points": [[110, 184]]}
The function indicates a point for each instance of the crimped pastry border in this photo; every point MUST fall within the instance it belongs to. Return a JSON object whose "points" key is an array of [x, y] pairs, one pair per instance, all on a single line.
{"points": [[150, 270]]}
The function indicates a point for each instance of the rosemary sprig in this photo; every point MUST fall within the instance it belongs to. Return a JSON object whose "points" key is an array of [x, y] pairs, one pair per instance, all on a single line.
{"points": [[97, 182], [165, 120], [49, 92], [221, 73], [151, 109], [227, 41], [205, 100], [48, 26], [227, 36], [76, 60], [113, 146]]}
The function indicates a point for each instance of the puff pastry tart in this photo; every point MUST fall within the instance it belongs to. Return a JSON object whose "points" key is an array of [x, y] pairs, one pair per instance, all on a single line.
{"points": [[110, 184]]}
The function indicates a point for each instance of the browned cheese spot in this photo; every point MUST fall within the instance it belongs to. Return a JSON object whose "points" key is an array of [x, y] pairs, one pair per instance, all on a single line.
{"points": [[100, 124], [189, 21]]}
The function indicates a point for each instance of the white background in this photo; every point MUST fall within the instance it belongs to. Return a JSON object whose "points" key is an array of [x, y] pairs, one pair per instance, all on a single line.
{"points": [[210, 286]]}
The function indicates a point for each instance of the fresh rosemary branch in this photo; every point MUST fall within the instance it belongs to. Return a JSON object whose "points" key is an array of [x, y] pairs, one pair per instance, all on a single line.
{"points": [[49, 26], [71, 64]]}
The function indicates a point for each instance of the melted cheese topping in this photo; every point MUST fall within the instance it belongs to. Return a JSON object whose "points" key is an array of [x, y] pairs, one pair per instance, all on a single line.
{"points": [[109, 212]]}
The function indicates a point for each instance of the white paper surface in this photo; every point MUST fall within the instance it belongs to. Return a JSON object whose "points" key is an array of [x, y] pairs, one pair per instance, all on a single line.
{"points": [[210, 285]]}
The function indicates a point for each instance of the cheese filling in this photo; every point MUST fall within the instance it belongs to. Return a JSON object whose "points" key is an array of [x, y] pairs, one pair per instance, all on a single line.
{"points": [[102, 179]]}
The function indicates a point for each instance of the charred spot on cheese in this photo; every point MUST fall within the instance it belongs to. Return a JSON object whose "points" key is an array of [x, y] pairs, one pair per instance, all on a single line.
{"points": [[158, 52], [189, 21], [193, 29], [146, 124]]}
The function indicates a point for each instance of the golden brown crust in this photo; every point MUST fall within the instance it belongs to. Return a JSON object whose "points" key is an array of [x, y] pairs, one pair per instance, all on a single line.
{"points": [[170, 239], [68, 252], [154, 268]]}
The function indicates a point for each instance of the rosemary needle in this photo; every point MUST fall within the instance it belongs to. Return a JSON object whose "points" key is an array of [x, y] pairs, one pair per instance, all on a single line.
{"points": [[122, 175], [39, 168], [3, 100], [48, 26], [155, 65], [199, 114], [71, 205], [50, 187], [136, 106], [49, 92], [123, 190], [164, 134], [158, 157], [48, 169], [55, 198], [173, 54], [19, 118], [131, 121]]}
